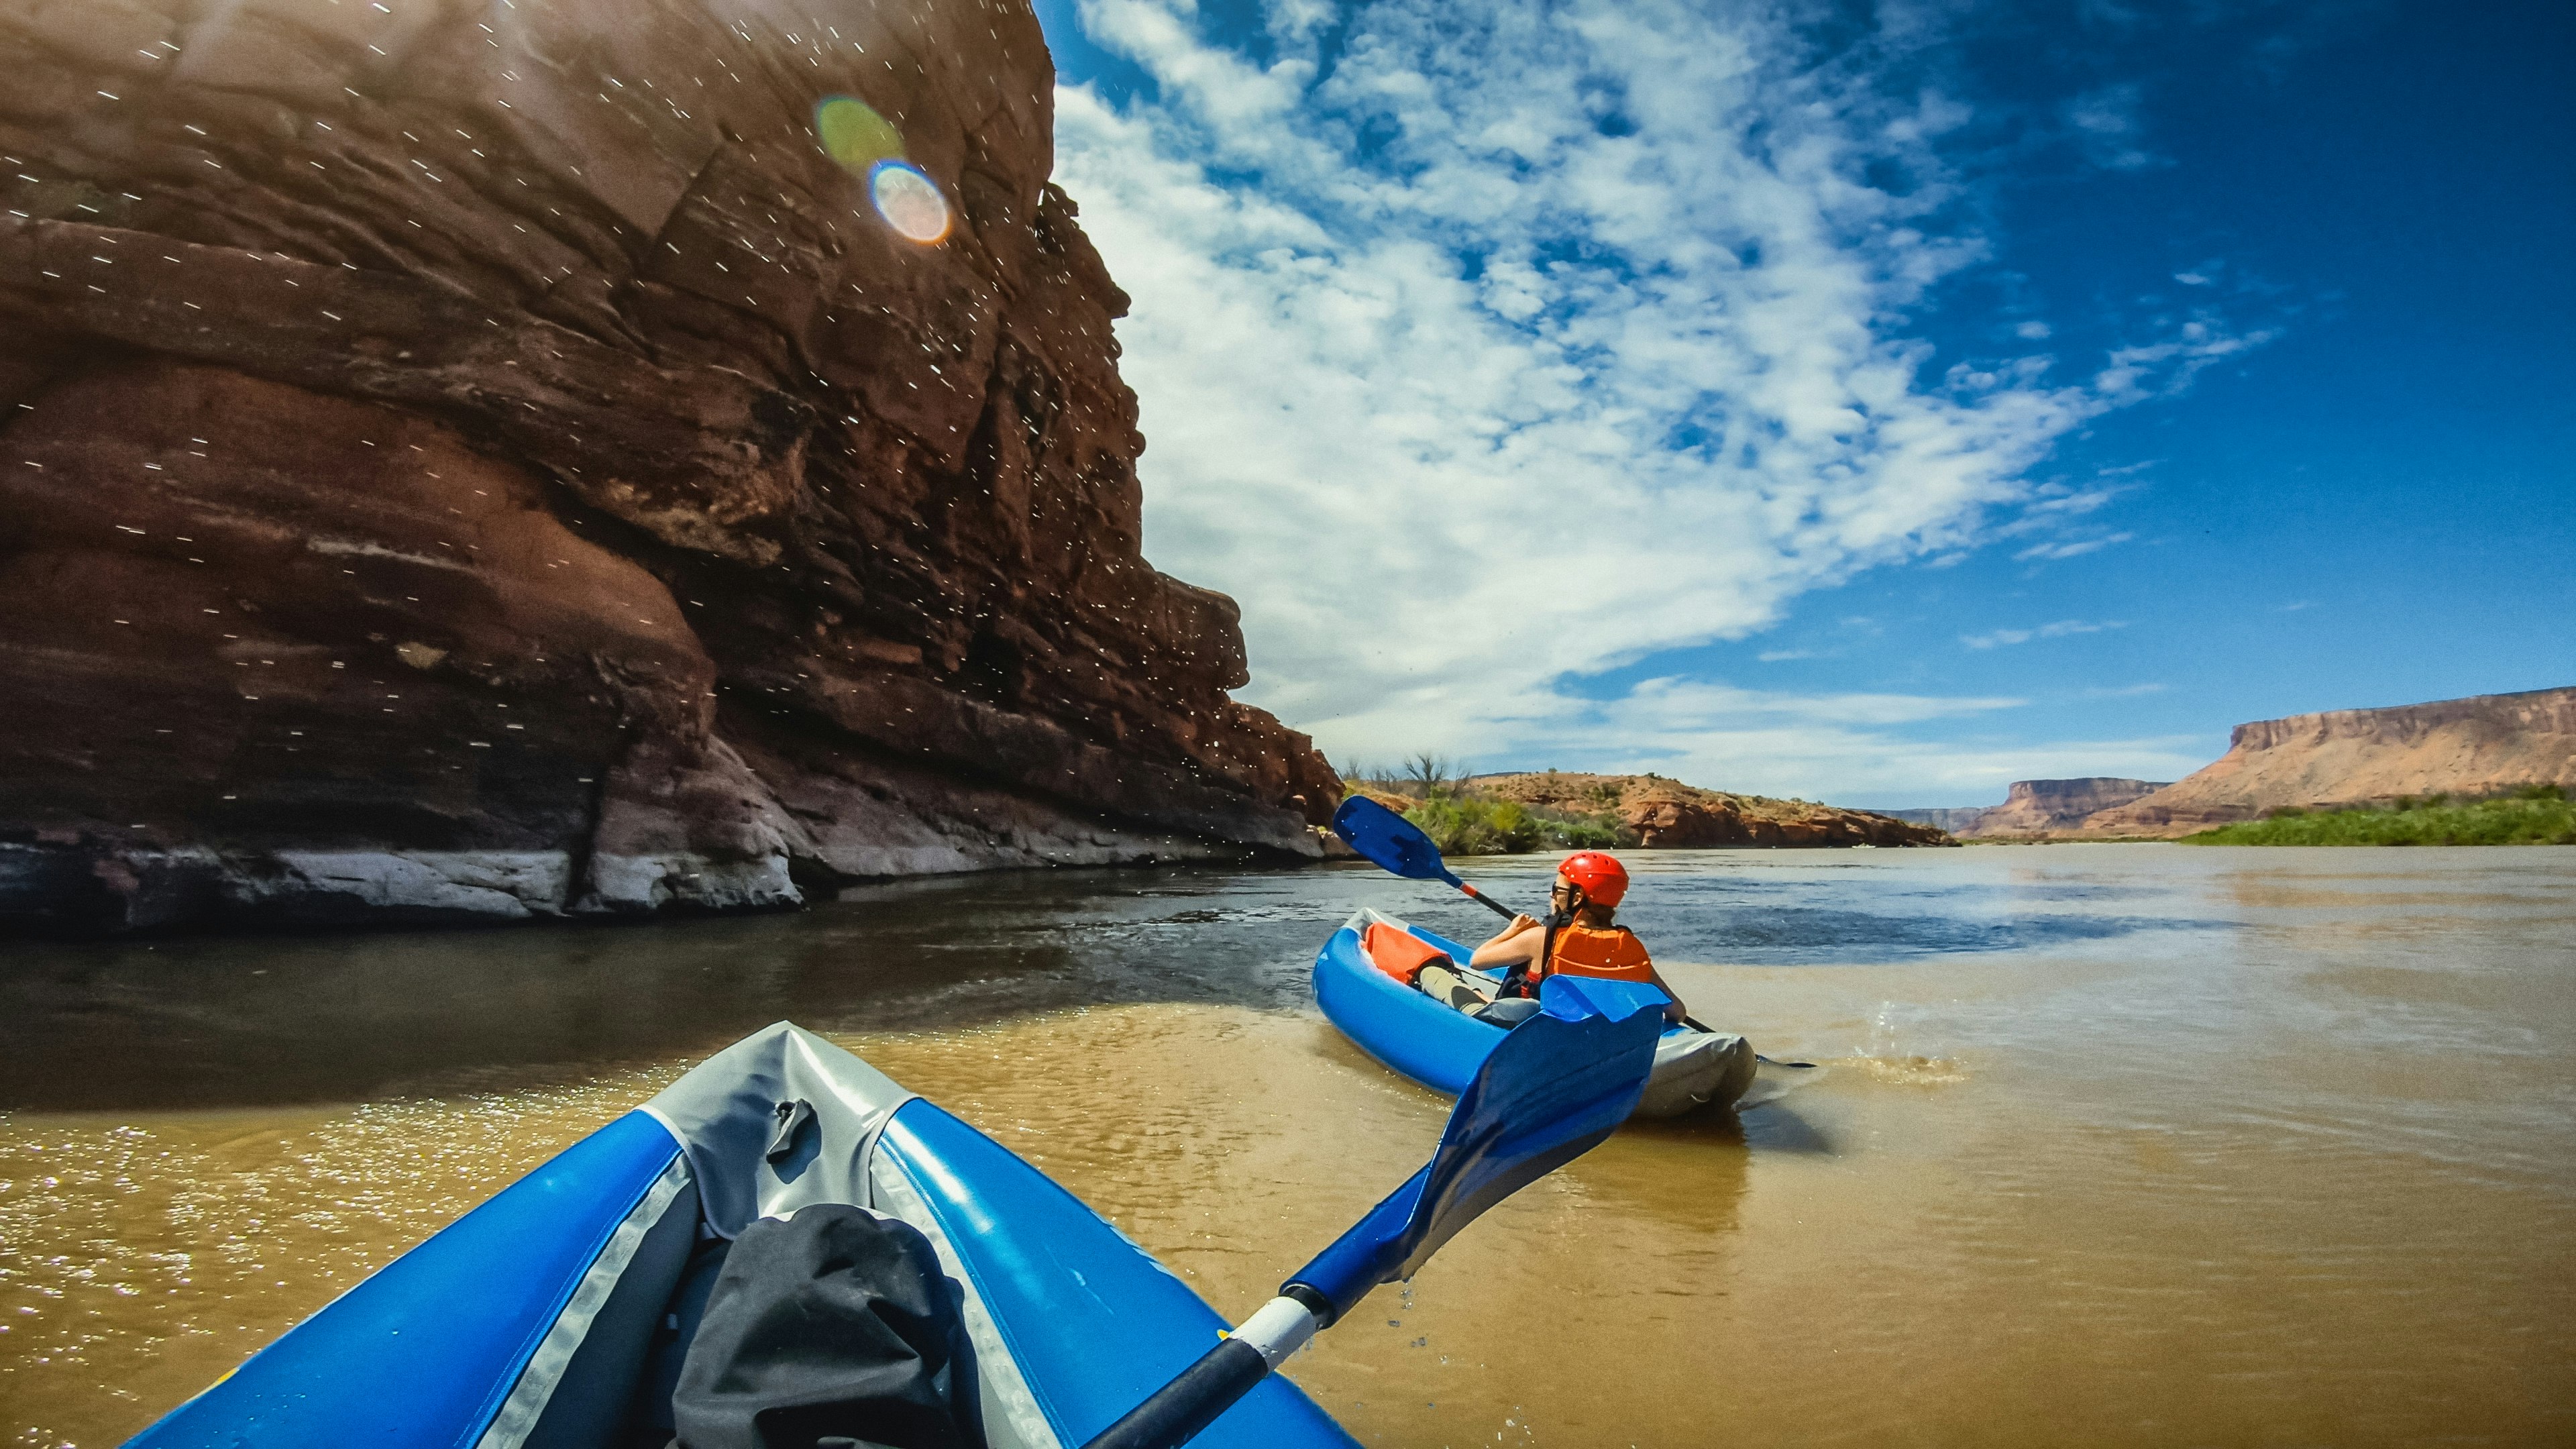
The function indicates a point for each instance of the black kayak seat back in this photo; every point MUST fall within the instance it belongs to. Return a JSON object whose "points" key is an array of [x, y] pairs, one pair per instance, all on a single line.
{"points": [[832, 1327]]}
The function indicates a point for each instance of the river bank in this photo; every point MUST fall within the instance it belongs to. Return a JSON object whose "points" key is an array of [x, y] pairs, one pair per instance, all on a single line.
{"points": [[2538, 815], [2129, 1145]]}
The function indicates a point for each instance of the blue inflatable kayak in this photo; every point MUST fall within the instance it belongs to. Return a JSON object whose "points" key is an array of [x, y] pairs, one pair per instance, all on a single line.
{"points": [[553, 1314], [1441, 1047]]}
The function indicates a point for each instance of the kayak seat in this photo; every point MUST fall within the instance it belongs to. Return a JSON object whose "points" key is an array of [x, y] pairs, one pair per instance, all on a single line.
{"points": [[1507, 1013], [1398, 952]]}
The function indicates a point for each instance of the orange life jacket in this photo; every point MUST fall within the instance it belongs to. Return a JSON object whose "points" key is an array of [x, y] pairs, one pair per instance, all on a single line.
{"points": [[1615, 953]]}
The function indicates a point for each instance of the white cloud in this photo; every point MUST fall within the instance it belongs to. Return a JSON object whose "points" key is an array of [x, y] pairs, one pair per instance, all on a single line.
{"points": [[1781, 656], [2058, 630], [2167, 366], [1848, 746], [2072, 548], [1518, 342], [2105, 125], [2126, 691]]}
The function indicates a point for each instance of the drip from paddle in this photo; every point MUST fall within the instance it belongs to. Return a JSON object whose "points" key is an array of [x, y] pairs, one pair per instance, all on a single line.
{"points": [[1554, 1088]]}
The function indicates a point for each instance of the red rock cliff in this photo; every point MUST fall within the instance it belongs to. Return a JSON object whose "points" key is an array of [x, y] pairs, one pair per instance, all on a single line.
{"points": [[2475, 746], [1669, 815], [485, 459]]}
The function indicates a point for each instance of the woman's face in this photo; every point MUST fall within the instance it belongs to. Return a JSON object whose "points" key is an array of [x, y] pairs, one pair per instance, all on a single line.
{"points": [[1561, 894]]}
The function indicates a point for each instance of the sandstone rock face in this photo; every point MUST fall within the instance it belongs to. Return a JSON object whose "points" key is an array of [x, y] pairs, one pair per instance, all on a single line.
{"points": [[2482, 745], [2037, 808], [468, 459], [1960, 821], [1669, 815]]}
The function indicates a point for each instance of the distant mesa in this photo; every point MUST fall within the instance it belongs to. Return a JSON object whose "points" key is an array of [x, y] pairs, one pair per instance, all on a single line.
{"points": [[461, 466], [1669, 815], [2483, 745], [2035, 808], [2487, 744]]}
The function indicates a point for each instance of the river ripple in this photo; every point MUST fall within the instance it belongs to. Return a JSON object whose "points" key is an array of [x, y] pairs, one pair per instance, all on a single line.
{"points": [[2120, 1144]]}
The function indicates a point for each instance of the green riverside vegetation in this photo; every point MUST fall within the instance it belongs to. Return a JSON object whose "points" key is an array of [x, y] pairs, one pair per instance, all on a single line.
{"points": [[1463, 820], [2534, 815]]}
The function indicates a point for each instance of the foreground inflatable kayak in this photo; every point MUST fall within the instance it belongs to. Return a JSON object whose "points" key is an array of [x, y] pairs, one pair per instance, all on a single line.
{"points": [[1441, 1048], [562, 1311]]}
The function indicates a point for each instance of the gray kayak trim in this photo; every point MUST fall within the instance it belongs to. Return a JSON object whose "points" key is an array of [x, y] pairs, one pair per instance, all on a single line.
{"points": [[725, 1113], [1012, 1418], [523, 1411]]}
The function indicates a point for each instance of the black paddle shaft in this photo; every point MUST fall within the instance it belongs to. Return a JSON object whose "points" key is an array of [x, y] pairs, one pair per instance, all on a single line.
{"points": [[1180, 1409]]}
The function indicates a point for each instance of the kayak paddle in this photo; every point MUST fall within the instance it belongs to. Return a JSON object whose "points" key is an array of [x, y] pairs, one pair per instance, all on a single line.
{"points": [[1399, 846], [1554, 1088]]}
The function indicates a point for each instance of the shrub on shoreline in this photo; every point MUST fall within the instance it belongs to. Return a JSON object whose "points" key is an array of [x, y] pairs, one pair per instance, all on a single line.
{"points": [[1463, 820], [2534, 815]]}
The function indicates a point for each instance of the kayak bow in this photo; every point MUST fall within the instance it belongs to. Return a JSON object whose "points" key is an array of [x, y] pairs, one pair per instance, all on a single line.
{"points": [[551, 1314]]}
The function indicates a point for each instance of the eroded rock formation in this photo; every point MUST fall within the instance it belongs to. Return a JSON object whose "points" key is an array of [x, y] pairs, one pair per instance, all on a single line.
{"points": [[483, 458], [1669, 815], [2035, 809], [2481, 745]]}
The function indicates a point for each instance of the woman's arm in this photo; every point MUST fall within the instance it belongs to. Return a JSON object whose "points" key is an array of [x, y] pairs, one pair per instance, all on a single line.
{"points": [[1514, 945], [1674, 1011]]}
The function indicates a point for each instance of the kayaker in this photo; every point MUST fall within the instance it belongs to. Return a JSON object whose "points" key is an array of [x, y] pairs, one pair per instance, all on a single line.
{"points": [[1579, 937]]}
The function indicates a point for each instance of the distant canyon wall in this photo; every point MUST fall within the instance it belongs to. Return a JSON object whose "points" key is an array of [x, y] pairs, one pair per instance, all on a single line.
{"points": [[2036, 807], [474, 459], [2481, 745]]}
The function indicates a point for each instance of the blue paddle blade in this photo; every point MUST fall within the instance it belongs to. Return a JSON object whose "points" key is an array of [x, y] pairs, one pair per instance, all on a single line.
{"points": [[1557, 1085], [1391, 841]]}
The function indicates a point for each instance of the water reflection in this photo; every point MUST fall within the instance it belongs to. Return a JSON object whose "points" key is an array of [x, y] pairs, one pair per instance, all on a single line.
{"points": [[2222, 1170]]}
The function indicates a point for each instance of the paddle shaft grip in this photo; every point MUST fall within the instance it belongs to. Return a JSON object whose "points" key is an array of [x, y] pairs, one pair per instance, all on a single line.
{"points": [[1180, 1409], [1488, 902]]}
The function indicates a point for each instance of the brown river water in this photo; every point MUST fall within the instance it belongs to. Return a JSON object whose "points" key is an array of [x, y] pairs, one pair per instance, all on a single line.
{"points": [[2145, 1145]]}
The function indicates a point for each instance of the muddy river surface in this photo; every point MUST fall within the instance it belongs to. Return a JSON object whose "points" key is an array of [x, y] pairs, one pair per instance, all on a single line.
{"points": [[2120, 1145]]}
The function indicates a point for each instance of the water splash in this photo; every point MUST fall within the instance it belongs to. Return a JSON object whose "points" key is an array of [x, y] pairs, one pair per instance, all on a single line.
{"points": [[1886, 1059]]}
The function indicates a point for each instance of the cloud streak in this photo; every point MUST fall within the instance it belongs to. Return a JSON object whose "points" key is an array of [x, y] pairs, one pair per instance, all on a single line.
{"points": [[2059, 630], [1489, 348]]}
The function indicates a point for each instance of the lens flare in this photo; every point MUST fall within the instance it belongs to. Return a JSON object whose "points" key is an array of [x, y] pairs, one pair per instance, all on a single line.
{"points": [[854, 134], [909, 201]]}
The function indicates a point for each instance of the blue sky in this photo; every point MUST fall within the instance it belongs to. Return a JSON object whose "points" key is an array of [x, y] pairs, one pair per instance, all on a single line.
{"points": [[1874, 405]]}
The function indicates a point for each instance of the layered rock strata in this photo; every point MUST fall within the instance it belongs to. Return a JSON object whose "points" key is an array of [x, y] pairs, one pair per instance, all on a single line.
{"points": [[472, 460], [2037, 808], [2482, 745], [1668, 815]]}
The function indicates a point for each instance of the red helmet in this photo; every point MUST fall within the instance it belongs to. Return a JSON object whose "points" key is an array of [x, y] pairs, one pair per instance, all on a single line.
{"points": [[1602, 878]]}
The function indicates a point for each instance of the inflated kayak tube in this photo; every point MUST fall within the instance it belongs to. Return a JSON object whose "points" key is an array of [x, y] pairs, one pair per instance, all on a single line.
{"points": [[1180, 1409], [1360, 1259]]}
